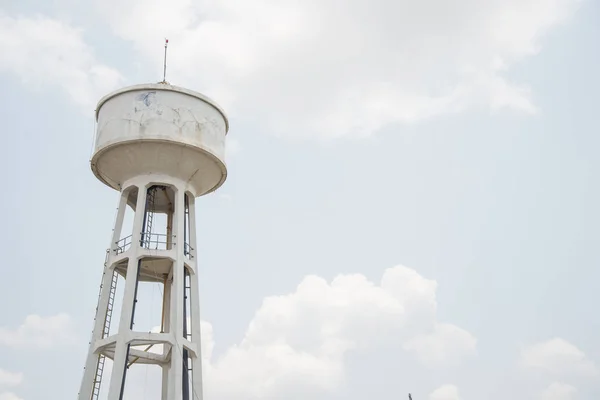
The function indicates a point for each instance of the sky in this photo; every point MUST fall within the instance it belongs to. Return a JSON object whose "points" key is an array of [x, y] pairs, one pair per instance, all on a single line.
{"points": [[411, 203]]}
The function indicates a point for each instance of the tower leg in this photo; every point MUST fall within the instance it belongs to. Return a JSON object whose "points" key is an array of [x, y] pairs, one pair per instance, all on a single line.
{"points": [[195, 306], [177, 293], [176, 328], [91, 363], [195, 316], [166, 368], [87, 383], [117, 380]]}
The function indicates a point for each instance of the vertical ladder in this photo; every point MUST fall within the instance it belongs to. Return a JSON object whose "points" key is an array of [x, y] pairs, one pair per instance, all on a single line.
{"points": [[147, 234], [105, 332], [187, 366], [111, 303], [98, 377]]}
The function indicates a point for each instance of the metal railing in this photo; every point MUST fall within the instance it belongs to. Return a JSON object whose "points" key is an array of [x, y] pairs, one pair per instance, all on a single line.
{"points": [[123, 245], [153, 241], [187, 250], [157, 241]]}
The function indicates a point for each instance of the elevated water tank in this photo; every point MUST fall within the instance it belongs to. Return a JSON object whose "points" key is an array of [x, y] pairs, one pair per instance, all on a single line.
{"points": [[160, 129]]}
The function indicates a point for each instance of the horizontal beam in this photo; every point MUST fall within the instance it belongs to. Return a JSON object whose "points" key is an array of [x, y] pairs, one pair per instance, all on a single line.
{"points": [[146, 357]]}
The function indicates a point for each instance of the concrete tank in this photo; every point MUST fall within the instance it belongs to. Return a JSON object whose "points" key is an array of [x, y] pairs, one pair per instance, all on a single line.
{"points": [[160, 129]]}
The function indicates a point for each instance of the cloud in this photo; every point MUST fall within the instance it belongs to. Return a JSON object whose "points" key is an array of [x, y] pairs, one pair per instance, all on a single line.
{"points": [[45, 52], [39, 332], [558, 357], [446, 346], [445, 392], [331, 69], [7, 380], [559, 391], [10, 379], [296, 343], [9, 396]]}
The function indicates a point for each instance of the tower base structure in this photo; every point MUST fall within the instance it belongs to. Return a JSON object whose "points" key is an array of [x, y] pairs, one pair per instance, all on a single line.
{"points": [[150, 254]]}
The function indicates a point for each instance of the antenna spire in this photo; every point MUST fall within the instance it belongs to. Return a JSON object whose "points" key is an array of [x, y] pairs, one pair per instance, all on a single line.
{"points": [[165, 64]]}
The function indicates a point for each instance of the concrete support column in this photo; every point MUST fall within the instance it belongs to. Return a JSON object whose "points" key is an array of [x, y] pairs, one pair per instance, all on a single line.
{"points": [[125, 323], [195, 306], [166, 368], [91, 363], [176, 306], [195, 316]]}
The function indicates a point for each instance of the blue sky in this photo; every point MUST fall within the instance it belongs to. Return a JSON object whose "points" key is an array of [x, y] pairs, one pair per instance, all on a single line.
{"points": [[458, 140]]}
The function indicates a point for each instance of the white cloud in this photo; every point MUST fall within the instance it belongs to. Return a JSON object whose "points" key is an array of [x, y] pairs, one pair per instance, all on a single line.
{"points": [[43, 51], [559, 358], [445, 392], [332, 68], [297, 342], [10, 379], [446, 346], [559, 391], [39, 332], [9, 396]]}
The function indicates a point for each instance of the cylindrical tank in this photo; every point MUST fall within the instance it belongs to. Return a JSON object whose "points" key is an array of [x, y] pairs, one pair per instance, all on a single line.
{"points": [[160, 129]]}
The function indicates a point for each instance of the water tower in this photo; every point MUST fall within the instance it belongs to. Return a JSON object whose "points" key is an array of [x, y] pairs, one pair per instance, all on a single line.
{"points": [[161, 147]]}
